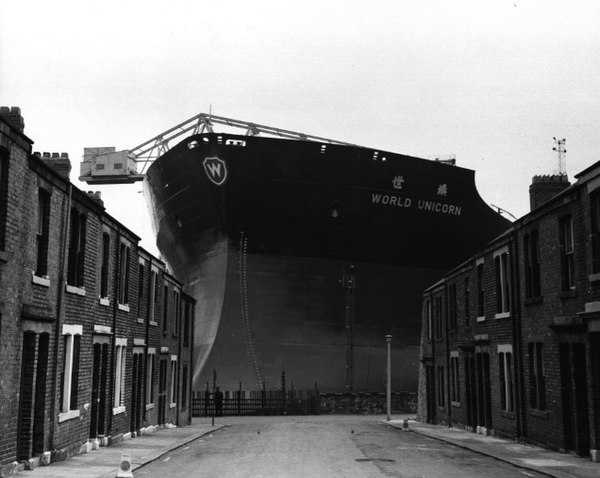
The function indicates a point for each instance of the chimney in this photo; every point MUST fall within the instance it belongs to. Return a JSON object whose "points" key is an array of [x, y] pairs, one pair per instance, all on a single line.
{"points": [[59, 162], [13, 116], [95, 196], [544, 188]]}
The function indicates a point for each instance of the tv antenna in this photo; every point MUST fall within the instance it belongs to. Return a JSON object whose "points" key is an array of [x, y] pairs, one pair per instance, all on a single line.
{"points": [[560, 149]]}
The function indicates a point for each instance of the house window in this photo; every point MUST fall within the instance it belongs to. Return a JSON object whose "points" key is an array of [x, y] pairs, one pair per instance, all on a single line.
{"points": [[43, 233], [173, 389], [165, 309], [439, 329], [467, 299], [105, 265], [153, 296], [502, 284], [532, 264], [429, 313], [70, 367], [537, 380], [480, 293], [150, 366], [506, 378], [76, 249], [441, 395], [567, 255], [176, 314], [454, 378], [3, 195], [141, 271], [595, 211], [186, 323], [452, 312], [124, 274], [119, 402]]}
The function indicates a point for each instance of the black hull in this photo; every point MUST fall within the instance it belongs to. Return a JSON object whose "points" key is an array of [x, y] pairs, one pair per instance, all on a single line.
{"points": [[265, 250]]}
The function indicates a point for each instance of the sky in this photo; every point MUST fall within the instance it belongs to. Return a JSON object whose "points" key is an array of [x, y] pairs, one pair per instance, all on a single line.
{"points": [[489, 81]]}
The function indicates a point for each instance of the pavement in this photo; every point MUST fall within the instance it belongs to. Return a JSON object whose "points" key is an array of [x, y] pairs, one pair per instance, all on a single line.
{"points": [[105, 461], [527, 457]]}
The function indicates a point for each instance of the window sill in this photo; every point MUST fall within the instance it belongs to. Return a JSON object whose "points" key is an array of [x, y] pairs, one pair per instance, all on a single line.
{"points": [[149, 406], [568, 294], [172, 405], [63, 417], [455, 404], [118, 410], [105, 301], [140, 320], [534, 300], [124, 307], [502, 315], [39, 280], [593, 277], [480, 319], [153, 323], [507, 414], [71, 289], [539, 413]]}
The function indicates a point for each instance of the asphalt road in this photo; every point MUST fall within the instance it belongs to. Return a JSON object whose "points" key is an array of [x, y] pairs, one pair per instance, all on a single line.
{"points": [[322, 446]]}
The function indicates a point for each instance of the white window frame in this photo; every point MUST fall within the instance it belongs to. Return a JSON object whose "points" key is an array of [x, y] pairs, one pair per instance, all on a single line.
{"points": [[150, 366], [173, 388], [501, 260], [70, 331], [480, 289], [509, 398], [120, 357]]}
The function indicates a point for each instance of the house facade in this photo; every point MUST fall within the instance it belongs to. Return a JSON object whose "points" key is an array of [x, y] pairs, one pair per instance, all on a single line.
{"points": [[511, 338], [92, 351]]}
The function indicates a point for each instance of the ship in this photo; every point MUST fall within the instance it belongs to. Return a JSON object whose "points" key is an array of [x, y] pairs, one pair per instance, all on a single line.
{"points": [[307, 255]]}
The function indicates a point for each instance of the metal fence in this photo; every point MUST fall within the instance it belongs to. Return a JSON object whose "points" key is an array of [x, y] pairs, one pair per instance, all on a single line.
{"points": [[301, 402], [257, 402]]}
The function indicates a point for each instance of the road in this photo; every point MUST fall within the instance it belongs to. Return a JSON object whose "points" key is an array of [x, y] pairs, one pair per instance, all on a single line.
{"points": [[322, 446]]}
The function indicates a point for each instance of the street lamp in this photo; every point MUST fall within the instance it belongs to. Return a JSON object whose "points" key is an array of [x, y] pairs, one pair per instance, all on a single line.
{"points": [[388, 339]]}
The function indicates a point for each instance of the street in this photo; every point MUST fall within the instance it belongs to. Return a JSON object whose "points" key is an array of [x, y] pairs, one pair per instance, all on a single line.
{"points": [[322, 446]]}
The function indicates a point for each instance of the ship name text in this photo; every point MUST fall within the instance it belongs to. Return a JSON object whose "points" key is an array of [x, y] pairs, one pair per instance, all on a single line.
{"points": [[422, 204]]}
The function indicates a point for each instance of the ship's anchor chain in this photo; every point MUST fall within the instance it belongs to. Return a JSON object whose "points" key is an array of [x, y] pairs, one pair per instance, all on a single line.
{"points": [[243, 271]]}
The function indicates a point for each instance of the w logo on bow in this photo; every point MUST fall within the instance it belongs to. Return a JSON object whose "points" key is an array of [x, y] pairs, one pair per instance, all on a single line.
{"points": [[215, 169]]}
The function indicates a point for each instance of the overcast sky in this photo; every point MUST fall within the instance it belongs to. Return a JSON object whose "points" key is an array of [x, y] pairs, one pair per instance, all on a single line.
{"points": [[490, 81]]}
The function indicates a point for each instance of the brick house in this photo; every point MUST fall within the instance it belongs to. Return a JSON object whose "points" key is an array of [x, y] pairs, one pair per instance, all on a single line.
{"points": [[511, 338], [81, 316]]}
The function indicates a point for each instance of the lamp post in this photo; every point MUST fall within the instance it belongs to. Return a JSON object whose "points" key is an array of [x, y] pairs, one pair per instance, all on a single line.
{"points": [[388, 339]]}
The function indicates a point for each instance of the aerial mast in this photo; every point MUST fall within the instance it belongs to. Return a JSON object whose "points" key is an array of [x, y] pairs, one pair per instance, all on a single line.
{"points": [[560, 149]]}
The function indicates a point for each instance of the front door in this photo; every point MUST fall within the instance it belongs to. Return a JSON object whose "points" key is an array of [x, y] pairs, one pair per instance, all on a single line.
{"points": [[575, 399], [162, 391], [136, 392], [471, 391], [484, 392], [32, 404], [99, 377]]}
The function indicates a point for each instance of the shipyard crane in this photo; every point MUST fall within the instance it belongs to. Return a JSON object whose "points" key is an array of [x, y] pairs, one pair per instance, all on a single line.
{"points": [[108, 166]]}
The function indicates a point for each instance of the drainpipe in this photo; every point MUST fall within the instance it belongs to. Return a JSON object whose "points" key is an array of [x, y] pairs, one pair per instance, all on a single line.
{"points": [[117, 285], [179, 357], [519, 378], [447, 327], [59, 308]]}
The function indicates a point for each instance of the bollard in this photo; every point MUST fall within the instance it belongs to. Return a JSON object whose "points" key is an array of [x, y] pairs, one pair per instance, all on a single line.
{"points": [[405, 425], [125, 467]]}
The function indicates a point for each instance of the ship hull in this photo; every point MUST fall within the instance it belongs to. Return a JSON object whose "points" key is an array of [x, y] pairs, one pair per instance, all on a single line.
{"points": [[302, 258]]}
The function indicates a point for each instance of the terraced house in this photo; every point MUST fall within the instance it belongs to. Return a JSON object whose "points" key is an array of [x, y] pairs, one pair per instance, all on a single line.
{"points": [[95, 335], [511, 338]]}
